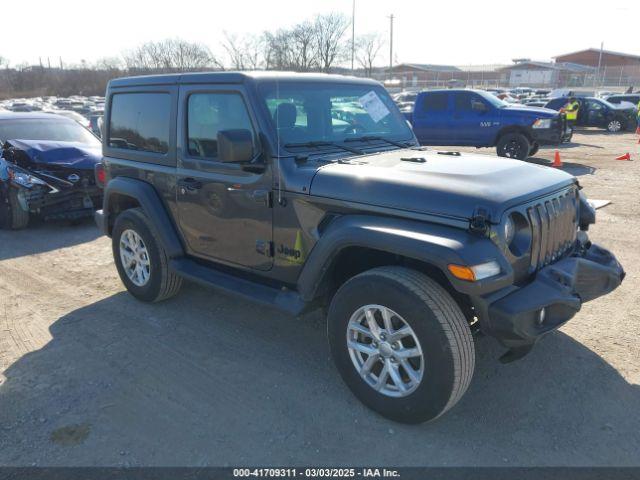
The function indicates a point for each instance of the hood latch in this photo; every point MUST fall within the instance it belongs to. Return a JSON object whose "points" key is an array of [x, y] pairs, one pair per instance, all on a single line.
{"points": [[480, 222]]}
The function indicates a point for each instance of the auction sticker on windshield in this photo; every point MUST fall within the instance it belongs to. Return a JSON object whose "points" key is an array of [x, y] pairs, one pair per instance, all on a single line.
{"points": [[373, 105]]}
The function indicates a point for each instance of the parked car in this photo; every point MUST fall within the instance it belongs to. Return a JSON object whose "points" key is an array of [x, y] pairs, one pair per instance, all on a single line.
{"points": [[310, 191], [630, 98], [95, 125], [81, 119], [478, 118], [405, 97], [596, 112], [538, 102], [46, 169]]}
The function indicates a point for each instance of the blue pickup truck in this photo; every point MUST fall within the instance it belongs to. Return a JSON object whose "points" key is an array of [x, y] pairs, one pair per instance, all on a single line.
{"points": [[480, 119]]}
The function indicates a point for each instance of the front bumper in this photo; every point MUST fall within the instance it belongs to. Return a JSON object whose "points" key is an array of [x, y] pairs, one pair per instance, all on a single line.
{"points": [[553, 135], [560, 289]]}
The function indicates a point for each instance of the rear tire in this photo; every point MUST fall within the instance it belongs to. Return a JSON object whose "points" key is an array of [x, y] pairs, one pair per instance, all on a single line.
{"points": [[147, 275], [438, 330], [19, 217], [513, 145]]}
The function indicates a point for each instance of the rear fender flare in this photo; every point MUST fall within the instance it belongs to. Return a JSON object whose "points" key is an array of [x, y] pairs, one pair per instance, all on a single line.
{"points": [[153, 207]]}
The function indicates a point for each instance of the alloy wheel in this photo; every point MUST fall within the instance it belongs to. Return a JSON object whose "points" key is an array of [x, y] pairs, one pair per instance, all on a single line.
{"points": [[135, 258], [385, 351], [614, 126]]}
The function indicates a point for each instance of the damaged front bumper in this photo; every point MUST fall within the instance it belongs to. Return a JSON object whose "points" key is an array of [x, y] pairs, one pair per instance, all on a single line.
{"points": [[519, 316], [70, 204]]}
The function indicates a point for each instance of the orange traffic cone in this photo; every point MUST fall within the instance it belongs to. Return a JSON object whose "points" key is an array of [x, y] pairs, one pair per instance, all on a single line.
{"points": [[638, 130], [626, 157], [557, 162]]}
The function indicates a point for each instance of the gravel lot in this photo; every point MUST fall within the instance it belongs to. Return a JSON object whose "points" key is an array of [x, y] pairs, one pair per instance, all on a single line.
{"points": [[91, 376]]}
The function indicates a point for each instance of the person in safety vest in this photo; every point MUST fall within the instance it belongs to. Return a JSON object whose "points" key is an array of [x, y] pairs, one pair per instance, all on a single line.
{"points": [[571, 111]]}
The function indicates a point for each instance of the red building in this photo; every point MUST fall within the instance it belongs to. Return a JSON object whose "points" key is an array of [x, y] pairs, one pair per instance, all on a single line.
{"points": [[591, 57]]}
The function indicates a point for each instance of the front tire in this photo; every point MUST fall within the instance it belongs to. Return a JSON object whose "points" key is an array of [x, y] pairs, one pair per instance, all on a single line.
{"points": [[535, 147], [19, 217], [513, 145], [401, 344], [140, 258]]}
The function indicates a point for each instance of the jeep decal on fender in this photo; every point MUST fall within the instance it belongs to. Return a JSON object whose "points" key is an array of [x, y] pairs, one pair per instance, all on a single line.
{"points": [[295, 254]]}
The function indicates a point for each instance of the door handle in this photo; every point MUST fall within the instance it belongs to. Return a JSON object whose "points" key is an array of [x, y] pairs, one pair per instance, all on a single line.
{"points": [[189, 184], [261, 196]]}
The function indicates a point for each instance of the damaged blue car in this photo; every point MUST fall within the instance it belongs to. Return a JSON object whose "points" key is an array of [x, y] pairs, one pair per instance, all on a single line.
{"points": [[47, 165]]}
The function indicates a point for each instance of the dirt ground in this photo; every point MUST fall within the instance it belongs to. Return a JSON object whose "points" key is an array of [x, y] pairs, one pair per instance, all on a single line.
{"points": [[90, 376]]}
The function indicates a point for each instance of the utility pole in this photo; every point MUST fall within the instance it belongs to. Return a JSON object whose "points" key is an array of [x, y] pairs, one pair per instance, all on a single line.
{"points": [[390, 43], [599, 62], [353, 34]]}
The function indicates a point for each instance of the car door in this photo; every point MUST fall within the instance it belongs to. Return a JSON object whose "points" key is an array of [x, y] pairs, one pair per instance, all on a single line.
{"points": [[432, 118], [224, 209], [474, 121], [595, 114]]}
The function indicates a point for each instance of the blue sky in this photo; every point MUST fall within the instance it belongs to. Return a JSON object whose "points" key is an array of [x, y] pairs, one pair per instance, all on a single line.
{"points": [[458, 33]]}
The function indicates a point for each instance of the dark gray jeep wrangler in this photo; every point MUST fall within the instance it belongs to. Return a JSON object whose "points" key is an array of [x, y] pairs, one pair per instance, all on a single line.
{"points": [[304, 191]]}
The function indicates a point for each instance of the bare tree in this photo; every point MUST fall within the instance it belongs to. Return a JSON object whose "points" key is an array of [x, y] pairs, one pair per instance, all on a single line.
{"points": [[108, 64], [278, 54], [170, 55], [245, 53], [367, 51], [329, 35], [303, 46], [234, 51]]}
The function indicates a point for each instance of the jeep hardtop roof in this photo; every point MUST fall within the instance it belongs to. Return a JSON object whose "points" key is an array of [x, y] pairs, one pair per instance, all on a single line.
{"points": [[233, 77]]}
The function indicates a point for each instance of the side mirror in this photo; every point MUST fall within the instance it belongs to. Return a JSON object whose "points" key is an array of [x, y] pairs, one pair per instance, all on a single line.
{"points": [[235, 146]]}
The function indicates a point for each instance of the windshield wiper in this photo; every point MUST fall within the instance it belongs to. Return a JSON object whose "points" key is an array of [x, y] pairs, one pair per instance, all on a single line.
{"points": [[325, 144], [370, 138]]}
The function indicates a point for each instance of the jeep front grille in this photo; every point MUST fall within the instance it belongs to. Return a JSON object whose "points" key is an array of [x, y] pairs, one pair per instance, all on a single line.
{"points": [[554, 226]]}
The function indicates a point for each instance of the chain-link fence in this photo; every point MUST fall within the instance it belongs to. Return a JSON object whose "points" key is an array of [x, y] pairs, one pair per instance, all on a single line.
{"points": [[618, 78]]}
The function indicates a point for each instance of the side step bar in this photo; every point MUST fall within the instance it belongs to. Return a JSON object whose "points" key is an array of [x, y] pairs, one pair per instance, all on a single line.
{"points": [[284, 300]]}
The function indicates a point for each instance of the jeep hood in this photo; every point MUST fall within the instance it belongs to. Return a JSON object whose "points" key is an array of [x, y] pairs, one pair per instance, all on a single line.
{"points": [[42, 154], [437, 183]]}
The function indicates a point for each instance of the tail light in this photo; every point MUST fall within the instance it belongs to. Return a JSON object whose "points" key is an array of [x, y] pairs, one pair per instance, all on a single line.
{"points": [[101, 175]]}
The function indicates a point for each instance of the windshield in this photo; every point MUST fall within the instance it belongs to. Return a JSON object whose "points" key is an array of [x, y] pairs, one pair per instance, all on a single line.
{"points": [[492, 99], [330, 112], [46, 129]]}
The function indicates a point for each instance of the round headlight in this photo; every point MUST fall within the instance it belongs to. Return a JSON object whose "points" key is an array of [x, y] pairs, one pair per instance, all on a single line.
{"points": [[517, 234], [509, 230]]}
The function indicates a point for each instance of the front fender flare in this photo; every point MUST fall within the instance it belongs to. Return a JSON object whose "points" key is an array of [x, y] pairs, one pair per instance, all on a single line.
{"points": [[153, 207], [437, 245]]}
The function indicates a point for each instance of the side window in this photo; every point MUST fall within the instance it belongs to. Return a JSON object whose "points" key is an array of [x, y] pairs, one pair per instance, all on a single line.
{"points": [[140, 121], [463, 102], [594, 106], [209, 113], [436, 102], [467, 102]]}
